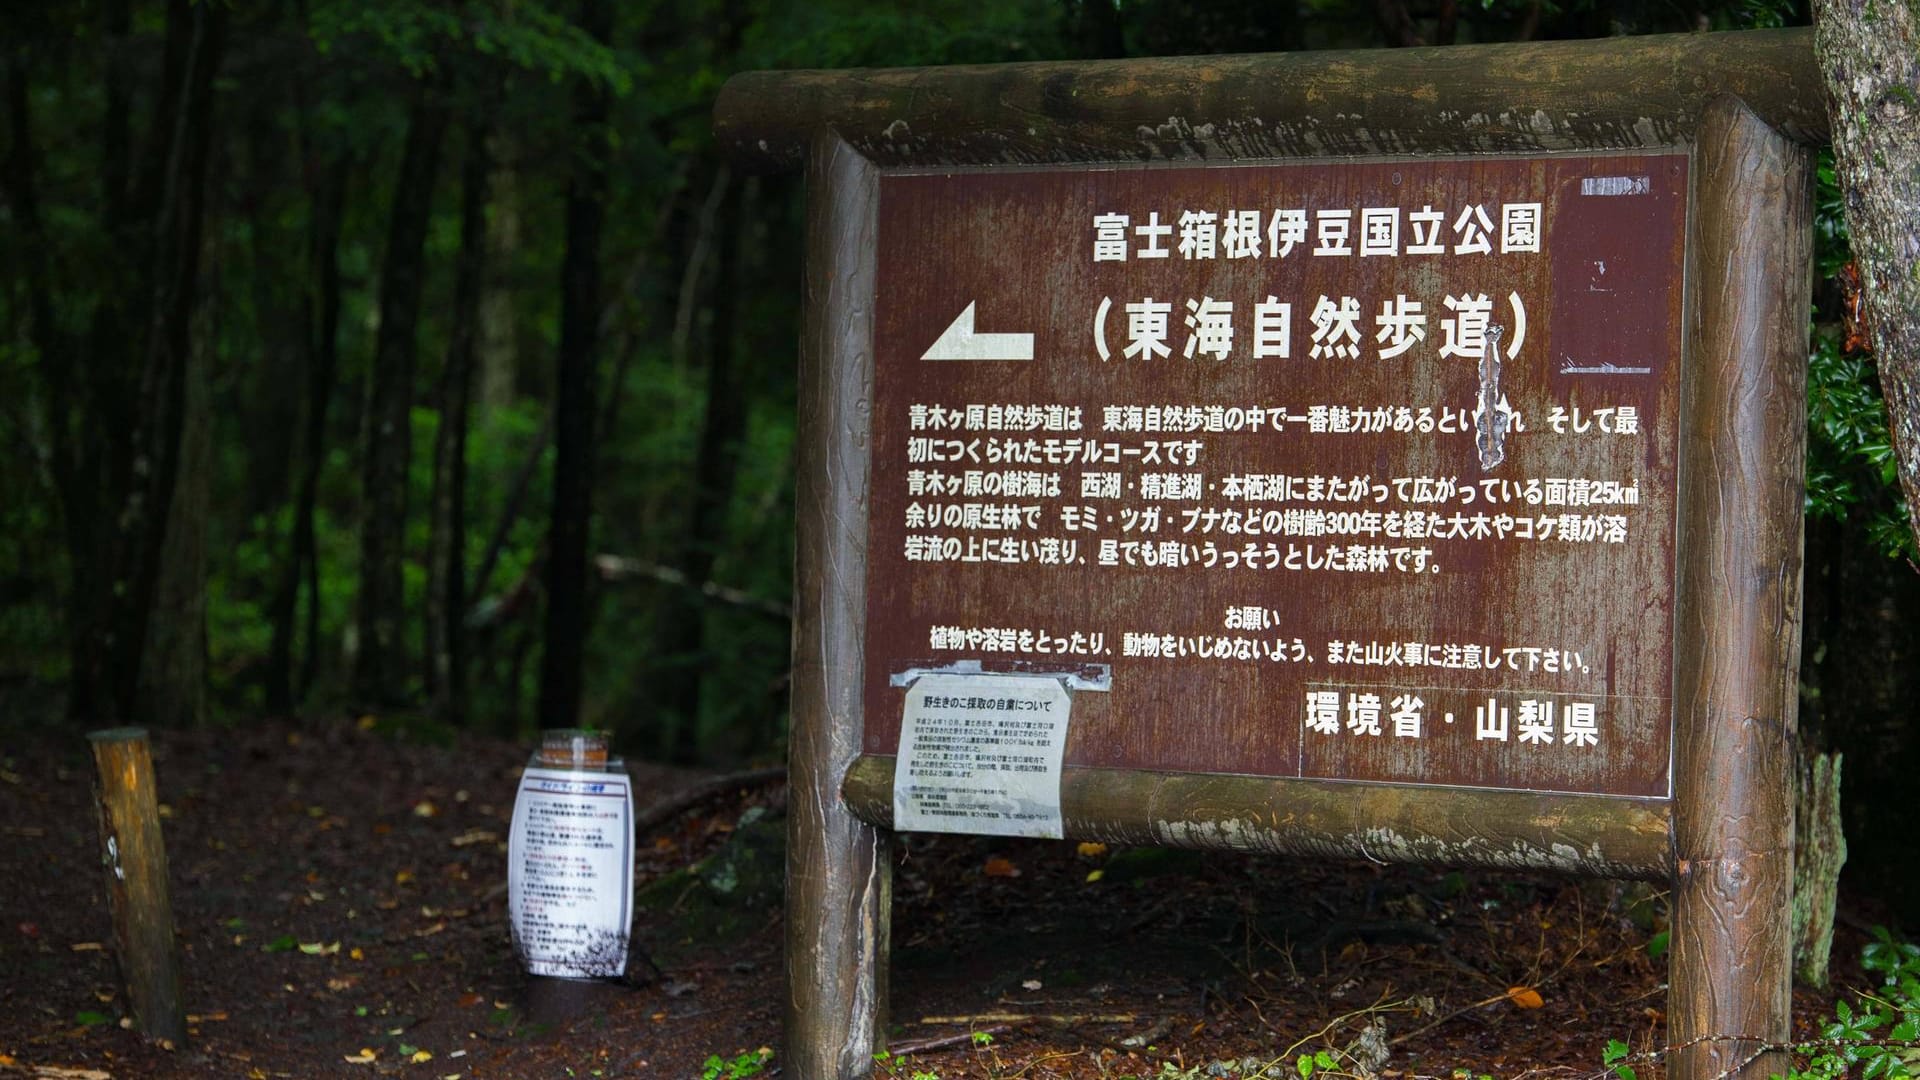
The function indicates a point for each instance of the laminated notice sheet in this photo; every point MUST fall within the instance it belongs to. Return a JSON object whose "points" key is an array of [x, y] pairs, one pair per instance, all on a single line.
{"points": [[981, 754], [570, 872]]}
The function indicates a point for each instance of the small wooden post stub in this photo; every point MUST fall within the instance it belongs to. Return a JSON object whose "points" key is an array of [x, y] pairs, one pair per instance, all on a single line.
{"points": [[135, 860]]}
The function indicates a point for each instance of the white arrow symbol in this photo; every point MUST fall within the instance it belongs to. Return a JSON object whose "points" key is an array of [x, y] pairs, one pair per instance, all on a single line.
{"points": [[959, 342]]}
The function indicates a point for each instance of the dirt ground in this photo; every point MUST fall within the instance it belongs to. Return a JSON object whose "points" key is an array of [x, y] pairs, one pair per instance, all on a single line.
{"points": [[338, 889]]}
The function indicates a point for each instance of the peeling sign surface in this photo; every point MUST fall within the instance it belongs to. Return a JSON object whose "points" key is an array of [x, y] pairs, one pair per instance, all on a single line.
{"points": [[1354, 471]]}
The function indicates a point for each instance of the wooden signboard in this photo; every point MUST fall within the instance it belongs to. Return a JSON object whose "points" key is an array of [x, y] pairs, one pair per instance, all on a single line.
{"points": [[1373, 455]]}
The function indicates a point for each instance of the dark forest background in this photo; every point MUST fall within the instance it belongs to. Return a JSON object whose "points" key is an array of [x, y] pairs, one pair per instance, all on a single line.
{"points": [[426, 359]]}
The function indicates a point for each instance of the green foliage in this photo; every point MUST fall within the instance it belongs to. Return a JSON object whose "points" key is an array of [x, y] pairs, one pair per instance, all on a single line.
{"points": [[849, 33], [1879, 1035], [1876, 1036], [739, 1067], [1615, 1058], [1851, 467], [1318, 1061], [418, 35]]}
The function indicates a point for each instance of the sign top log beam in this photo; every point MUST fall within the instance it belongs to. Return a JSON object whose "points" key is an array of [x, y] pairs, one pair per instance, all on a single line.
{"points": [[1529, 97]]}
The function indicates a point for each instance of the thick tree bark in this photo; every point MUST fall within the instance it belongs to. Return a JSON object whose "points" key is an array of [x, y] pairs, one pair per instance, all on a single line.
{"points": [[562, 659], [379, 666], [447, 535], [322, 344], [1869, 55]]}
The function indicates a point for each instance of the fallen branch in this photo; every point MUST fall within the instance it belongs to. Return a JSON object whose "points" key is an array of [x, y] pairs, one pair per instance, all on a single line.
{"points": [[615, 568], [663, 810], [941, 1042], [1056, 1019]]}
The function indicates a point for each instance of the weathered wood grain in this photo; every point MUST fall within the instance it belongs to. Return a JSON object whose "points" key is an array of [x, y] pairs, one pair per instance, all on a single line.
{"points": [[134, 856], [1737, 627], [1514, 830], [839, 877], [1501, 98]]}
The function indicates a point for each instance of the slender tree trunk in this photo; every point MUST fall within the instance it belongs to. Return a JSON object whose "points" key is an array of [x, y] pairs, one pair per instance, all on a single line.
{"points": [[322, 344], [56, 371], [160, 434], [447, 543], [173, 675], [271, 406], [499, 340], [562, 660], [1098, 27], [1870, 57], [716, 465], [379, 665]]}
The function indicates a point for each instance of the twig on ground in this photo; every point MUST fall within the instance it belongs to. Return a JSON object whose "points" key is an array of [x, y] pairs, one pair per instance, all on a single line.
{"points": [[1056, 1019], [942, 1042]]}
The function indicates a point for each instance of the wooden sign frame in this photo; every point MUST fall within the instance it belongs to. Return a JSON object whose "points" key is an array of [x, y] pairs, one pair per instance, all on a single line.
{"points": [[1747, 106]]}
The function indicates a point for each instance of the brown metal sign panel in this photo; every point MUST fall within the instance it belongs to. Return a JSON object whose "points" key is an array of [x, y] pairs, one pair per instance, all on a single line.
{"points": [[1358, 471]]}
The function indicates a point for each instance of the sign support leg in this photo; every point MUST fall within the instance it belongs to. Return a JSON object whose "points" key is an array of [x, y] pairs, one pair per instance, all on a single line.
{"points": [[839, 870], [1737, 632]]}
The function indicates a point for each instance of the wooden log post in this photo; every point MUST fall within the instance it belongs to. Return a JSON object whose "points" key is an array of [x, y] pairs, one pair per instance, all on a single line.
{"points": [[1737, 632], [135, 858], [839, 874]]}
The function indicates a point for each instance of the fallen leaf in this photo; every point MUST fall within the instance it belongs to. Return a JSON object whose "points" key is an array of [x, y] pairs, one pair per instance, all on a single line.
{"points": [[283, 943], [470, 999], [425, 808], [1000, 866], [366, 722], [1095, 875], [87, 946], [201, 1018], [1092, 849], [431, 930], [357, 954], [403, 877], [1031, 984], [420, 1056], [364, 1057], [1525, 997]]}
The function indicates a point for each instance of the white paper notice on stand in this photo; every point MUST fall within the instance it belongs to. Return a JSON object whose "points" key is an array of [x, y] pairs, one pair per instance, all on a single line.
{"points": [[981, 754], [570, 872]]}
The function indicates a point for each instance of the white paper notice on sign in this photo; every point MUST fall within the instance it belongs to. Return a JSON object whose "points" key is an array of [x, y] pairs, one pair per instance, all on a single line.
{"points": [[981, 754], [570, 872]]}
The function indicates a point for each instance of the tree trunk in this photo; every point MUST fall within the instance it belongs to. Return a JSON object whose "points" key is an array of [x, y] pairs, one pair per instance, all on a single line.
{"points": [[161, 433], [447, 541], [715, 468], [322, 344], [562, 659], [1870, 57], [379, 670], [173, 666], [499, 336]]}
